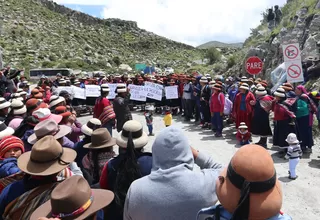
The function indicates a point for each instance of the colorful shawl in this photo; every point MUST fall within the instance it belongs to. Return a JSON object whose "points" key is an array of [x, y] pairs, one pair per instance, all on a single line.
{"points": [[266, 102], [10, 179]]}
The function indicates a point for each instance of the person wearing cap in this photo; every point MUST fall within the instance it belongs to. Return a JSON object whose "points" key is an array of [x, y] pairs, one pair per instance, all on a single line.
{"points": [[294, 154], [17, 113], [56, 101], [168, 192], [131, 163], [243, 106], [284, 120], [204, 102], [260, 120], [103, 109], [100, 152], [247, 188], [217, 104], [121, 106], [41, 166], [4, 109], [11, 149], [243, 135]]}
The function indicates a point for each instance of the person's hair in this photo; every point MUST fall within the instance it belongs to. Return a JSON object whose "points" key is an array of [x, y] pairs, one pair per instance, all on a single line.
{"points": [[104, 94], [93, 156], [128, 172]]}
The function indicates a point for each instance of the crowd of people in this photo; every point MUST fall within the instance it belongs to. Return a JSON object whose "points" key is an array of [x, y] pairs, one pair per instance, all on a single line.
{"points": [[52, 166]]}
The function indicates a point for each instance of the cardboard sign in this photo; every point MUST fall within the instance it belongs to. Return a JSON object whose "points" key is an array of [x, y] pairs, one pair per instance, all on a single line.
{"points": [[112, 93], [154, 90], [79, 93], [92, 91], [171, 92], [137, 93]]}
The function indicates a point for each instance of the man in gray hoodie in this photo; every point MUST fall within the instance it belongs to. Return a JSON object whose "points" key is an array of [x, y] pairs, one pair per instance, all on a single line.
{"points": [[173, 190]]}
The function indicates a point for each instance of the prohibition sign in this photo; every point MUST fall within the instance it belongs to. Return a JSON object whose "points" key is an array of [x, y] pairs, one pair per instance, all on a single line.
{"points": [[291, 52], [294, 71]]}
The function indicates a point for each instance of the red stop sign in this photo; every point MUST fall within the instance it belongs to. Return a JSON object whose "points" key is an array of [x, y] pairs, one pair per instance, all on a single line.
{"points": [[254, 65]]}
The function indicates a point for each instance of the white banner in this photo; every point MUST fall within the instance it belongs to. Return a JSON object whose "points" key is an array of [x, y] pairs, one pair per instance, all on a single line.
{"points": [[137, 93], [171, 92], [154, 91], [63, 88], [112, 93], [92, 91], [79, 93]]}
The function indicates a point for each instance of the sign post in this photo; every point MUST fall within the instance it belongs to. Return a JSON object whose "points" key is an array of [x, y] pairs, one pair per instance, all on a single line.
{"points": [[254, 65], [292, 60]]}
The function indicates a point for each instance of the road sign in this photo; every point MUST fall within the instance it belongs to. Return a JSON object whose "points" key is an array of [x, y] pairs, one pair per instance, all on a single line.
{"points": [[294, 71], [254, 65], [291, 52]]}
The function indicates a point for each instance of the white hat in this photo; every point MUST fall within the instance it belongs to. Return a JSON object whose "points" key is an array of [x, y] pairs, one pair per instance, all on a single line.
{"points": [[45, 114], [261, 91], [62, 81], [150, 108], [5, 131], [18, 107], [55, 100], [17, 96], [292, 139], [243, 126], [19, 90], [204, 79], [105, 88], [76, 82], [23, 93], [4, 103], [211, 83], [280, 92], [244, 79], [91, 125], [121, 88], [244, 86], [139, 137]]}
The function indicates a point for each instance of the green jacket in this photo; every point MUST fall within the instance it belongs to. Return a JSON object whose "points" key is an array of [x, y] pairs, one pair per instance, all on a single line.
{"points": [[302, 108]]}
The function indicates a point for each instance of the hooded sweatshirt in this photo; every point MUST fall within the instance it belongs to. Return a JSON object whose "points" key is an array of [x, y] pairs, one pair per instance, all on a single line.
{"points": [[173, 190]]}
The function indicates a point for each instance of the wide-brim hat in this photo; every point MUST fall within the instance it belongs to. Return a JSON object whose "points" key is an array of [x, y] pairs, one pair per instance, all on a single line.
{"points": [[5, 130], [292, 139], [105, 88], [261, 91], [280, 92], [217, 87], [62, 111], [244, 86], [150, 108], [17, 107], [46, 157], [100, 138], [287, 86], [91, 125], [243, 127], [66, 193], [34, 104], [139, 137], [121, 88], [55, 100], [252, 163], [204, 79], [4, 103]]}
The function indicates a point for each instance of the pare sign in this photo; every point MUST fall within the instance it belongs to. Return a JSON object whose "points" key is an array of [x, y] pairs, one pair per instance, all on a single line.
{"points": [[254, 65]]}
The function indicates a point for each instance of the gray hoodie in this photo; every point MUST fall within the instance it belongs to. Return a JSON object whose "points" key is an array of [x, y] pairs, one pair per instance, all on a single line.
{"points": [[173, 190]]}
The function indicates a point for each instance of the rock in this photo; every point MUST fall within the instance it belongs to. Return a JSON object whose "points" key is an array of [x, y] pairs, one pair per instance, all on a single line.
{"points": [[109, 65]]}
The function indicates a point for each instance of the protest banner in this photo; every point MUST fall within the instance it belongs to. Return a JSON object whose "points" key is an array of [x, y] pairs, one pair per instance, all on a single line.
{"points": [[92, 91], [171, 92], [154, 91], [112, 93], [79, 93], [137, 93], [69, 89]]}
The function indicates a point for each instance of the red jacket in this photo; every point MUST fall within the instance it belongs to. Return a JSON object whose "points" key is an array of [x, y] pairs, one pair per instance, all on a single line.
{"points": [[103, 110], [217, 102], [237, 103], [243, 137]]}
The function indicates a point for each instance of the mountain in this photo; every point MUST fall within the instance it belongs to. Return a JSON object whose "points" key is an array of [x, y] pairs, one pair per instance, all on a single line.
{"points": [[41, 33], [219, 44]]}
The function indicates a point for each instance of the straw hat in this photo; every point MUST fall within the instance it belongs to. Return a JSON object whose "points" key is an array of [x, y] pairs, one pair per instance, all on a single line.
{"points": [[121, 88], [5, 131], [292, 139], [243, 125], [45, 114], [76, 82], [18, 107], [244, 79], [244, 86], [140, 138], [105, 88], [217, 87], [46, 157], [62, 110], [55, 100], [211, 83], [261, 91], [17, 96], [150, 108], [280, 92], [100, 138], [35, 93], [34, 104], [204, 79], [250, 173], [90, 126], [48, 127], [287, 86], [74, 195], [4, 103], [62, 81]]}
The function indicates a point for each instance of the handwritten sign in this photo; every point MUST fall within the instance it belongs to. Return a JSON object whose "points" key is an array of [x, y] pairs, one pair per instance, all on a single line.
{"points": [[137, 93], [79, 93], [63, 88], [92, 91], [154, 91], [171, 92], [112, 93]]}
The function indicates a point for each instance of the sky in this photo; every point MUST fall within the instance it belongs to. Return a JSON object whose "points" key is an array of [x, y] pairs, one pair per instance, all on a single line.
{"points": [[189, 21]]}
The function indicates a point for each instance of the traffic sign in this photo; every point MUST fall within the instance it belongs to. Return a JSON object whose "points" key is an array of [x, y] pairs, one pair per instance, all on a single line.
{"points": [[291, 52], [294, 72], [254, 65]]}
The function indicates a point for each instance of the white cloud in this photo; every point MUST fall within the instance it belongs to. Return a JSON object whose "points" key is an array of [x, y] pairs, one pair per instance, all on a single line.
{"points": [[189, 21]]}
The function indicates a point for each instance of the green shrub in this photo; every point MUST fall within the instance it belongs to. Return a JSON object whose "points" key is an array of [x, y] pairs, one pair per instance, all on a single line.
{"points": [[116, 60], [231, 61], [213, 55]]}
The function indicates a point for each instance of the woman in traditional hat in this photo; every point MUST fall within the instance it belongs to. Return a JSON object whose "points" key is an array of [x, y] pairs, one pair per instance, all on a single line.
{"points": [[243, 106], [46, 159], [289, 90], [284, 119], [260, 120], [217, 108], [103, 109], [121, 106], [4, 109], [17, 113], [247, 188], [131, 164]]}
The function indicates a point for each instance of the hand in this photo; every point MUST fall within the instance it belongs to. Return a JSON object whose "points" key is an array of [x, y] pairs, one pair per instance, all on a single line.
{"points": [[252, 102], [72, 119], [211, 114], [195, 152], [221, 113]]}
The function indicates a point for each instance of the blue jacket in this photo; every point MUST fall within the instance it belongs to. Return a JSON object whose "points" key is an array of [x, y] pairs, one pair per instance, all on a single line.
{"points": [[81, 152], [8, 167], [225, 215]]}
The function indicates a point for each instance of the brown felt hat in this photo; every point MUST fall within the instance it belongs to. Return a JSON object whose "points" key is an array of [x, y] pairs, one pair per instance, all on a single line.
{"points": [[46, 157], [251, 166], [100, 138], [73, 199], [287, 86]]}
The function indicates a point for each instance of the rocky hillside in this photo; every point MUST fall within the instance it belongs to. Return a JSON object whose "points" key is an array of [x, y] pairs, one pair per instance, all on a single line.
{"points": [[300, 24], [219, 44], [40, 33]]}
